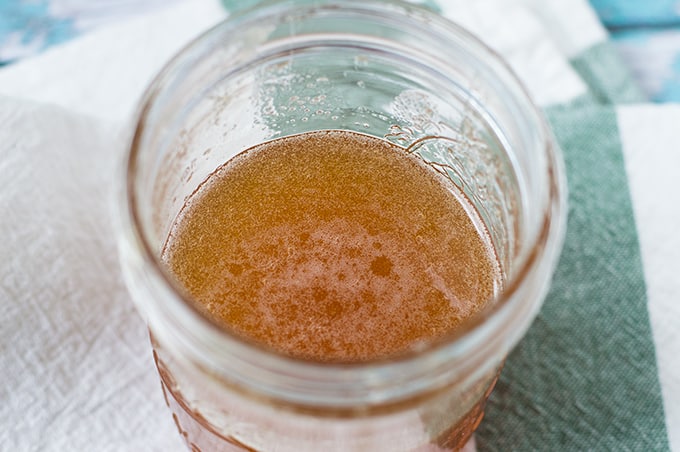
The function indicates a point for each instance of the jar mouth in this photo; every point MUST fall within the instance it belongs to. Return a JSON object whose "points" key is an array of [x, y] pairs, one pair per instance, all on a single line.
{"points": [[461, 356]]}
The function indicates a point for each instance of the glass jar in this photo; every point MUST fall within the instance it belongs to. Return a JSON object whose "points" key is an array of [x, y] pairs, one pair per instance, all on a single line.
{"points": [[391, 70]]}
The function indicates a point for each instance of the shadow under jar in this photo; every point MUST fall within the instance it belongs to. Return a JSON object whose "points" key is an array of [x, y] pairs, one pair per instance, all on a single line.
{"points": [[388, 70]]}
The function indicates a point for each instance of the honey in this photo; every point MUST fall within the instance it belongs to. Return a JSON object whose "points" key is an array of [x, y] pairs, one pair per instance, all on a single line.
{"points": [[332, 246]]}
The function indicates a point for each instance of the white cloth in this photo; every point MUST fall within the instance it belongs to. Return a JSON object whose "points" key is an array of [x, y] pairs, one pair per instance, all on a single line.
{"points": [[75, 358]]}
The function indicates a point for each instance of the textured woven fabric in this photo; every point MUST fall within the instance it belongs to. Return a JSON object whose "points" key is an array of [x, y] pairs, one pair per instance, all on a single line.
{"points": [[585, 376]]}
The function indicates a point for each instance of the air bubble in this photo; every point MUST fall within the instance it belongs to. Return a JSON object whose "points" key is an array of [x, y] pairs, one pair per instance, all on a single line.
{"points": [[360, 60]]}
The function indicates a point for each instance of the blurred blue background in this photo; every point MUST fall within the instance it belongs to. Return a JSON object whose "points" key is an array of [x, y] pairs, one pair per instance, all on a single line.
{"points": [[646, 33]]}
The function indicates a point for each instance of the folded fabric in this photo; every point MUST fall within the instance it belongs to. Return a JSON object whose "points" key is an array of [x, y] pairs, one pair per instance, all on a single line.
{"points": [[595, 372]]}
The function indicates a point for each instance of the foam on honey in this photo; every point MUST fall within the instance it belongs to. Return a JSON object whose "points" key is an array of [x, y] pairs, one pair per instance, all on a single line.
{"points": [[332, 246]]}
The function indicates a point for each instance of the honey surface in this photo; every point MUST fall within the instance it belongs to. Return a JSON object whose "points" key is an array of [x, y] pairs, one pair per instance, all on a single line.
{"points": [[332, 246]]}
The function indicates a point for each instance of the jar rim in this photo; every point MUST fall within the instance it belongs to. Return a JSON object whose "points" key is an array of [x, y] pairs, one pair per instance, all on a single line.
{"points": [[304, 382]]}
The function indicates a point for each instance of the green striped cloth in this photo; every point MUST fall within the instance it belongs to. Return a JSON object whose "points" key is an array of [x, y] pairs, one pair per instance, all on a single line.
{"points": [[585, 377]]}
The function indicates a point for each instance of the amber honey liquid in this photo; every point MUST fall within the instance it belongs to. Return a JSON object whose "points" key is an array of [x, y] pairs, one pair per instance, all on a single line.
{"points": [[332, 246]]}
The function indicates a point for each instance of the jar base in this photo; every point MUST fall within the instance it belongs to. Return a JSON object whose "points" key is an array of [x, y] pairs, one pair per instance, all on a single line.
{"points": [[200, 436]]}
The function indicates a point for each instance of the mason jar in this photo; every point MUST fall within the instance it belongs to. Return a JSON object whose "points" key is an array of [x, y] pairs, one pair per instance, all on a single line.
{"points": [[389, 70]]}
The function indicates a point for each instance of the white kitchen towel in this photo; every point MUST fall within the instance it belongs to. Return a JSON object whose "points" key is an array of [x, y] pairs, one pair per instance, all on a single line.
{"points": [[75, 360]]}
